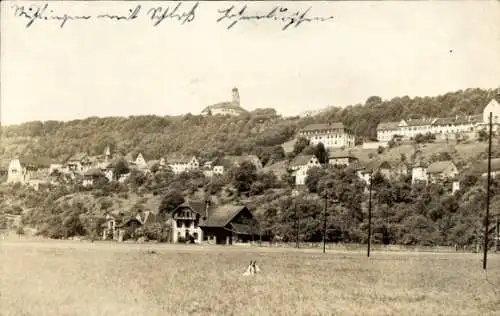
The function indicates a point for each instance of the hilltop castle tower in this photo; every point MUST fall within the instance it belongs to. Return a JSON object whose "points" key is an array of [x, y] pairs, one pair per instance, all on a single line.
{"points": [[236, 96], [107, 153]]}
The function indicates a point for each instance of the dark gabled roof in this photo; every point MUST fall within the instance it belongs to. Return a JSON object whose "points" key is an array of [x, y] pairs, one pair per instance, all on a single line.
{"points": [[180, 159], [127, 219], [146, 217], [323, 127], [237, 160], [275, 166], [79, 157], [197, 206], [93, 172], [301, 160], [420, 122], [459, 120], [289, 145], [375, 165], [35, 162], [340, 154], [243, 229], [438, 166], [222, 215], [388, 126], [482, 166]]}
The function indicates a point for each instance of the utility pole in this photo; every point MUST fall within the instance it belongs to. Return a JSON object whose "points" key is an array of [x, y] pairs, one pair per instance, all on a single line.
{"points": [[297, 222], [497, 233], [487, 215], [370, 215], [324, 223]]}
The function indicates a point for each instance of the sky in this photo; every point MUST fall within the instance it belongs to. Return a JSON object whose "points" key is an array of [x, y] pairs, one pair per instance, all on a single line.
{"points": [[101, 67]]}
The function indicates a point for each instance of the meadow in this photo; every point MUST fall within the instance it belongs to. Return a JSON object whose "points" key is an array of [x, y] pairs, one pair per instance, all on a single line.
{"points": [[82, 278]]}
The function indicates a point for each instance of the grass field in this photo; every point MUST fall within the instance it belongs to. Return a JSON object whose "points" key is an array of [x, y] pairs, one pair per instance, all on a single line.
{"points": [[82, 278]]}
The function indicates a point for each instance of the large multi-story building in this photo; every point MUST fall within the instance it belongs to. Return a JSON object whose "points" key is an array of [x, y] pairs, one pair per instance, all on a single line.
{"points": [[448, 127], [232, 108], [332, 135]]}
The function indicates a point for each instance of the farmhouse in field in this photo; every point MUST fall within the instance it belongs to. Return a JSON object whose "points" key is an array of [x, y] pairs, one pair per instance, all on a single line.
{"points": [[200, 222], [185, 221], [228, 224]]}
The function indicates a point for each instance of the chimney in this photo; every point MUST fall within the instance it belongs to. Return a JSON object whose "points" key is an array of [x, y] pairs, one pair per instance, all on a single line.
{"points": [[207, 205]]}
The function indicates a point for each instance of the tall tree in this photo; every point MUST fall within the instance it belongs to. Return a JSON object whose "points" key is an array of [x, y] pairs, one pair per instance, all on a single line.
{"points": [[243, 176], [321, 153], [170, 202]]}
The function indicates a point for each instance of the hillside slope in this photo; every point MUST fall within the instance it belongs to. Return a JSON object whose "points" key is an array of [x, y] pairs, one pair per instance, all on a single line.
{"points": [[256, 132]]}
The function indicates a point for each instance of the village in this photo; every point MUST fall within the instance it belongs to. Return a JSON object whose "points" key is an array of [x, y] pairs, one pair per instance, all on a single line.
{"points": [[225, 224]]}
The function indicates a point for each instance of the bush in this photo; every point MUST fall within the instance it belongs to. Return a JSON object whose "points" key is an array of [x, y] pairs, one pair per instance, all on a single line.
{"points": [[20, 230]]}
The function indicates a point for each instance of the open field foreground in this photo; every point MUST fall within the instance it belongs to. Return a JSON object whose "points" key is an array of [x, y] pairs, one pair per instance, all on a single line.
{"points": [[81, 278]]}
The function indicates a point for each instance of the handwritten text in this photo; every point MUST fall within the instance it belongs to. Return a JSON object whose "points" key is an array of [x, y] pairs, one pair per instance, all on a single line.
{"points": [[180, 13]]}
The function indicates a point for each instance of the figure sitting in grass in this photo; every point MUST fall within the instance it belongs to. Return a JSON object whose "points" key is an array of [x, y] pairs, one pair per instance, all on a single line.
{"points": [[252, 269]]}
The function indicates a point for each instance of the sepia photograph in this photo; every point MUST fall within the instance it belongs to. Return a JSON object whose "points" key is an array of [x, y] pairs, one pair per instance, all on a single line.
{"points": [[250, 158]]}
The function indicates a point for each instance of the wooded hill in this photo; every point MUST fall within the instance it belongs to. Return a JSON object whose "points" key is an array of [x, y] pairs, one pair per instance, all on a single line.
{"points": [[257, 132]]}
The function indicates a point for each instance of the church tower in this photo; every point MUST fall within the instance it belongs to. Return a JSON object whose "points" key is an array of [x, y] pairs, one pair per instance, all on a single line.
{"points": [[236, 96], [107, 154]]}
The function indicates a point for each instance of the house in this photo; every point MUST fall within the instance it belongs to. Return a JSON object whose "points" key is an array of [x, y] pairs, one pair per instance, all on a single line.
{"points": [[277, 168], [332, 135], [300, 165], [481, 168], [236, 161], [232, 108], [140, 162], [492, 107], [341, 158], [24, 170], [116, 223], [109, 228], [375, 166], [91, 176], [289, 146], [228, 224], [78, 163], [211, 171], [180, 164], [419, 173], [126, 229], [441, 170], [387, 130], [399, 169], [185, 220]]}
